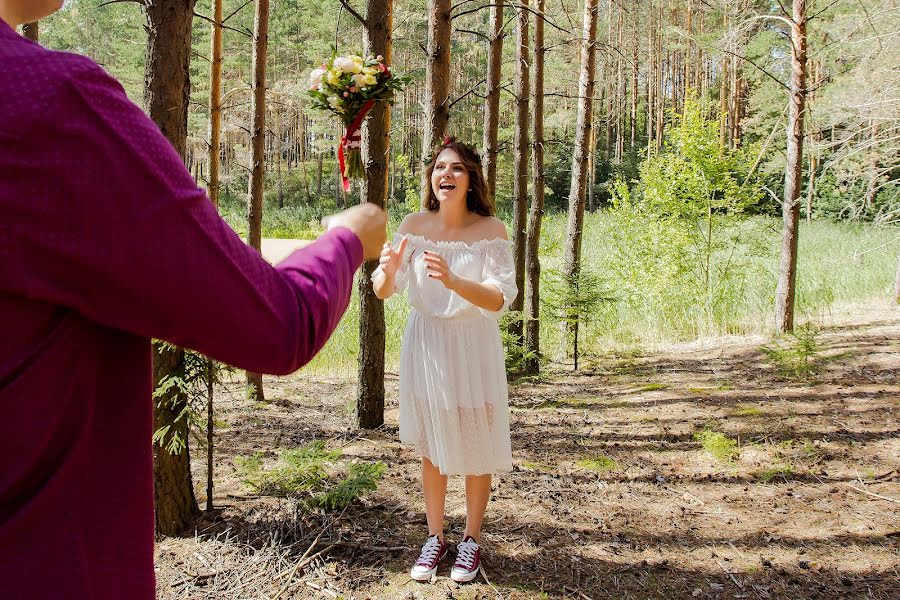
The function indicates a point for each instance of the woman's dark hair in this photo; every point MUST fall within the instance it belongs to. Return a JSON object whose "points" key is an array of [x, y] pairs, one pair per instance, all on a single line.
{"points": [[476, 198]]}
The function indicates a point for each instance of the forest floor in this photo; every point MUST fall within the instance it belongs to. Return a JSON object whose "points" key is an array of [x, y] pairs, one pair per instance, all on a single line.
{"points": [[613, 492]]}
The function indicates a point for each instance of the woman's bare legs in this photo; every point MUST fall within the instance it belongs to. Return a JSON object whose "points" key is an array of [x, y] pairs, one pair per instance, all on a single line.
{"points": [[478, 492], [434, 487]]}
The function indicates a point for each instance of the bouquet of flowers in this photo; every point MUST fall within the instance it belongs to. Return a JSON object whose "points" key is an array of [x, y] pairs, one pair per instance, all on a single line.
{"points": [[349, 86]]}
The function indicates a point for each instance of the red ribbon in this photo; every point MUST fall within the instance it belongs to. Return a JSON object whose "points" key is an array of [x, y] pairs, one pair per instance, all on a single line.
{"points": [[352, 135]]}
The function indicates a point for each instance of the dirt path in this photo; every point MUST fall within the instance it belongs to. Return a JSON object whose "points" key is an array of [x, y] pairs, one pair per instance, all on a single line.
{"points": [[612, 496]]}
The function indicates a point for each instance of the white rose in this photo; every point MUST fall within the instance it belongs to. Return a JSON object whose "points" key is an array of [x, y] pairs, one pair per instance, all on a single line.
{"points": [[315, 78], [347, 65], [333, 102], [359, 80]]}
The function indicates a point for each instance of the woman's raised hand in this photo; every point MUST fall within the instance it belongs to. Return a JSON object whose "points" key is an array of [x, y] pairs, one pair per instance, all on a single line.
{"points": [[439, 269], [390, 258]]}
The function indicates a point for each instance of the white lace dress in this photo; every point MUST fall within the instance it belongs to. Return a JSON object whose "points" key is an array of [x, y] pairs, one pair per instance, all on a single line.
{"points": [[454, 406]]}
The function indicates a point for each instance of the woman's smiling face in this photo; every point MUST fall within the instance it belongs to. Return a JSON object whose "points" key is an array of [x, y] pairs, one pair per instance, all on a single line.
{"points": [[450, 178]]}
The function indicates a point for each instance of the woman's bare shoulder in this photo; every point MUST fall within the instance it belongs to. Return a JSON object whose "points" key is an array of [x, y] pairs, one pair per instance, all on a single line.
{"points": [[414, 223], [492, 228]]}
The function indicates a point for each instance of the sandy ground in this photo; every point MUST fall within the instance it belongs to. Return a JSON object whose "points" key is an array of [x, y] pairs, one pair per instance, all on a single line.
{"points": [[612, 494]]}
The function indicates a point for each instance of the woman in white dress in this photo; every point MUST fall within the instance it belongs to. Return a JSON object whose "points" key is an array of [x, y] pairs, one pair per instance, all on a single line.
{"points": [[456, 259]]}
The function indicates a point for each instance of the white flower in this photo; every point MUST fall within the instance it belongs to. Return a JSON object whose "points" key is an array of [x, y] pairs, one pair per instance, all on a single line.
{"points": [[360, 80], [347, 65], [315, 78], [333, 102]]}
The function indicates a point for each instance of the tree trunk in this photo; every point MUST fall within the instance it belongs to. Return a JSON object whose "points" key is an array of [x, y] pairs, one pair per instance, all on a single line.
{"points": [[437, 81], [492, 101], [278, 176], [532, 260], [258, 161], [634, 80], [579, 159], [215, 101], [520, 164], [787, 275], [31, 31], [375, 148], [166, 95], [215, 134], [897, 284], [319, 175]]}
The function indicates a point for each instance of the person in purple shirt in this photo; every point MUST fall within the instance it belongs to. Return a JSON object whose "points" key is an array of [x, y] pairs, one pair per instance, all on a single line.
{"points": [[106, 242]]}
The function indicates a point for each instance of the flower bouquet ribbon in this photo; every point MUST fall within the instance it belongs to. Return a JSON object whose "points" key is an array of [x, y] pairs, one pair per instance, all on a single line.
{"points": [[351, 143], [348, 87]]}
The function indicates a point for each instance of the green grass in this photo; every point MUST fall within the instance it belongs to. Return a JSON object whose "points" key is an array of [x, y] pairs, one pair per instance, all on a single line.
{"points": [[312, 474], [745, 410], [658, 299], [653, 387], [719, 445], [599, 464], [783, 472]]}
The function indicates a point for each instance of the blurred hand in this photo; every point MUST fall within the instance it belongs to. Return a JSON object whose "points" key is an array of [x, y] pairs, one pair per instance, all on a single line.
{"points": [[390, 258], [367, 221]]}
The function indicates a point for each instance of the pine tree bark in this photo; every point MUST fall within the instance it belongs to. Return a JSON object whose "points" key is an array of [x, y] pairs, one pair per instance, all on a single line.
{"points": [[375, 151], [492, 101], [531, 364], [579, 159], [437, 81], [166, 96], [256, 184], [31, 31], [787, 275], [215, 101], [520, 163], [278, 151], [897, 284], [214, 141]]}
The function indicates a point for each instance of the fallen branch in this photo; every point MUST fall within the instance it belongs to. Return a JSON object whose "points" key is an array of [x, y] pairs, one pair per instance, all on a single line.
{"points": [[874, 495]]}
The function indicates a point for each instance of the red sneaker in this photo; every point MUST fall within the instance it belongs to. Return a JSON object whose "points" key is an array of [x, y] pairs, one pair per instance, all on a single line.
{"points": [[433, 552], [468, 561]]}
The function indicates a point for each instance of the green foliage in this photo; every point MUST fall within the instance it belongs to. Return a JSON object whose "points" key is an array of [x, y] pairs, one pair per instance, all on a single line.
{"points": [[517, 355], [572, 299], [688, 194], [599, 464], [797, 354], [718, 445], [184, 393], [780, 471], [311, 474]]}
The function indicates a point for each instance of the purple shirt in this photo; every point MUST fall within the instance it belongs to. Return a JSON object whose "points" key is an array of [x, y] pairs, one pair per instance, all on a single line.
{"points": [[105, 242]]}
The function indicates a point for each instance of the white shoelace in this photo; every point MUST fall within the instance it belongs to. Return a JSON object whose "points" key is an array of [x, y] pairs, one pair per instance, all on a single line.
{"points": [[429, 551], [465, 554]]}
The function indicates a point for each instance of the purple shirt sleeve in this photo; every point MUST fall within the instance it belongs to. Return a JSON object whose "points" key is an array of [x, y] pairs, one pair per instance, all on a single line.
{"points": [[113, 225]]}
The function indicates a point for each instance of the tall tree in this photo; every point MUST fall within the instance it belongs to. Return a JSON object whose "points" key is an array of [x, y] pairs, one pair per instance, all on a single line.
{"points": [[166, 97], [897, 284], [375, 149], [258, 149], [579, 157], [787, 273], [31, 31], [492, 100], [214, 141], [532, 261], [437, 79], [520, 162]]}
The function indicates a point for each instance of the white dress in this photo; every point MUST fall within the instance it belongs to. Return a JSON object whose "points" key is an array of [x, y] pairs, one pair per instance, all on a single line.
{"points": [[454, 405]]}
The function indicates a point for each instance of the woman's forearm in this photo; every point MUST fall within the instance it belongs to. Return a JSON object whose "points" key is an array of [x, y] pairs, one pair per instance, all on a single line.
{"points": [[382, 284], [482, 295]]}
